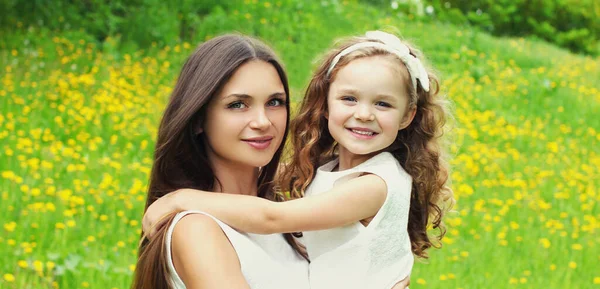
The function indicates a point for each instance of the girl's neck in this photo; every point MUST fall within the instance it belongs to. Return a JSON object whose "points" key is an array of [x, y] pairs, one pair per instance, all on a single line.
{"points": [[235, 179], [348, 160]]}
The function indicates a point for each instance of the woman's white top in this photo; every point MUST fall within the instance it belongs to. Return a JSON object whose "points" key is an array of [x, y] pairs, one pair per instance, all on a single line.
{"points": [[376, 256], [267, 261]]}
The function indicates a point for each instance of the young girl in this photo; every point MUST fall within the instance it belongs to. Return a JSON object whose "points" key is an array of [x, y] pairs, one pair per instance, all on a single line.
{"points": [[368, 160]]}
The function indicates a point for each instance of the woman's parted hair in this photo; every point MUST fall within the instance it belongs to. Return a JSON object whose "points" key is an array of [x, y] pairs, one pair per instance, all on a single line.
{"points": [[180, 159], [417, 147]]}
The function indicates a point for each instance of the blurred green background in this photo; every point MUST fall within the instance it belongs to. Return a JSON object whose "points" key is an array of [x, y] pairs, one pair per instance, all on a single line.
{"points": [[84, 83]]}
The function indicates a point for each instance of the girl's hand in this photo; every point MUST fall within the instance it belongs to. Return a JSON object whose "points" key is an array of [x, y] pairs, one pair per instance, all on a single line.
{"points": [[402, 284], [156, 212]]}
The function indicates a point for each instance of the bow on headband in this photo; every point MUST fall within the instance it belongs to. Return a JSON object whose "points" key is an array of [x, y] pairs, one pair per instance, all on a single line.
{"points": [[391, 44]]}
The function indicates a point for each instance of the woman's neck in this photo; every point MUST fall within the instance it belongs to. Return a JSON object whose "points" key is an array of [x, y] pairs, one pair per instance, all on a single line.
{"points": [[235, 179]]}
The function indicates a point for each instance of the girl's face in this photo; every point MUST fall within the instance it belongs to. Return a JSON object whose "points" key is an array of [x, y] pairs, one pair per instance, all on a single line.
{"points": [[246, 121], [368, 104]]}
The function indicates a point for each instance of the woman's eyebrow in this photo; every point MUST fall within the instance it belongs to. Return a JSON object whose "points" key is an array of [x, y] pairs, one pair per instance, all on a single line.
{"points": [[246, 96], [237, 95], [278, 94]]}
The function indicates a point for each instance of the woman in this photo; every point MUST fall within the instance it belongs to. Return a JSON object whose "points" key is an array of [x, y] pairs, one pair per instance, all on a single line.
{"points": [[223, 130]]}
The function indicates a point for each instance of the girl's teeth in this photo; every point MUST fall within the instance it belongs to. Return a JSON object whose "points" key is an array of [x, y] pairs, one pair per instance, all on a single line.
{"points": [[363, 132]]}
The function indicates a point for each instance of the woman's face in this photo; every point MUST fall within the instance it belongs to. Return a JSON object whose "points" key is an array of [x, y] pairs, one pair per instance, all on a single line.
{"points": [[245, 123]]}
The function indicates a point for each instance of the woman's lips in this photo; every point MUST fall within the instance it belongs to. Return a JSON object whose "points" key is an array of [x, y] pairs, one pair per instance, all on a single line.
{"points": [[259, 143]]}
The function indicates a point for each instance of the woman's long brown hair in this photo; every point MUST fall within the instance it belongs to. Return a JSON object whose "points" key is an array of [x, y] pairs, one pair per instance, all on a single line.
{"points": [[180, 159], [417, 147]]}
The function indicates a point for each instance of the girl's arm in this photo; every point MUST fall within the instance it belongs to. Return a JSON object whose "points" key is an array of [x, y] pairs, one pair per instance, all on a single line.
{"points": [[348, 202], [209, 263]]}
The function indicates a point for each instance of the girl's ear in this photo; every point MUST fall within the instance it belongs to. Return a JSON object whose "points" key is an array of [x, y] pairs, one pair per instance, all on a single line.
{"points": [[408, 118]]}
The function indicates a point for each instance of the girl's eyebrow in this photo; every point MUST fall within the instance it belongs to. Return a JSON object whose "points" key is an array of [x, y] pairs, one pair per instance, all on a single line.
{"points": [[349, 91], [353, 91], [387, 97]]}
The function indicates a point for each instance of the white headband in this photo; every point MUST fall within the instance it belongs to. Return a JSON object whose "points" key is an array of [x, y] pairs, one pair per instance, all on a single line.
{"points": [[392, 45]]}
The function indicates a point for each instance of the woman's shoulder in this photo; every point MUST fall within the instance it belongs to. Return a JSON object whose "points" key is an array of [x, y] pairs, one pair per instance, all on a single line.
{"points": [[190, 225], [187, 229], [187, 259]]}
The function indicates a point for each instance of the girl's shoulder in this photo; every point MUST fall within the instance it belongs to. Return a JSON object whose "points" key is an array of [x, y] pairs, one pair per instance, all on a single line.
{"points": [[385, 165]]}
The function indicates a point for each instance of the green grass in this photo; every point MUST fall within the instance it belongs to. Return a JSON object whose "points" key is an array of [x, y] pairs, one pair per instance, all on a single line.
{"points": [[77, 133]]}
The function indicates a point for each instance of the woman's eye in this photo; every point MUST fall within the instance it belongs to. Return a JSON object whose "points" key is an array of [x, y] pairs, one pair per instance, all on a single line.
{"points": [[236, 105], [383, 104], [276, 102]]}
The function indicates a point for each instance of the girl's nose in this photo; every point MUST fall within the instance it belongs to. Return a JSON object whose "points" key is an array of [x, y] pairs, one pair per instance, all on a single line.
{"points": [[364, 113]]}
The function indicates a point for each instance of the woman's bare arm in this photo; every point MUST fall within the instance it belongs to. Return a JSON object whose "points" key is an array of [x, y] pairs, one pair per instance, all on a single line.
{"points": [[203, 256]]}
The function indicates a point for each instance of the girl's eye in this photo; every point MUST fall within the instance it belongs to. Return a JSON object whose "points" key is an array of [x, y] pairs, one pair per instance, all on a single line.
{"points": [[276, 102], [348, 98], [237, 105], [383, 104]]}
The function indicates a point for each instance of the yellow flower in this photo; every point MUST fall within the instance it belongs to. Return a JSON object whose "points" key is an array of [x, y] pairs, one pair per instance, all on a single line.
{"points": [[10, 226], [572, 265], [38, 266], [545, 243], [8, 174], [50, 265], [9, 277], [22, 263]]}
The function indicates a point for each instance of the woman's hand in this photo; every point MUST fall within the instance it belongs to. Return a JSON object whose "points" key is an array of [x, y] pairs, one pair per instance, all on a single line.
{"points": [[156, 212], [402, 284]]}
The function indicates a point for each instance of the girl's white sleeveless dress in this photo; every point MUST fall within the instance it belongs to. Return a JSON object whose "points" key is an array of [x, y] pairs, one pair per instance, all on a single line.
{"points": [[376, 256], [267, 261]]}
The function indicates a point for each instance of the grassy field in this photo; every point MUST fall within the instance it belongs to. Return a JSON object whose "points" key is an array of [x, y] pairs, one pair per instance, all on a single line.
{"points": [[78, 121]]}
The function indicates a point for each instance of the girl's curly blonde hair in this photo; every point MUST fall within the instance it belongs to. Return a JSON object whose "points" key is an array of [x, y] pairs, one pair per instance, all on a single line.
{"points": [[417, 147]]}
